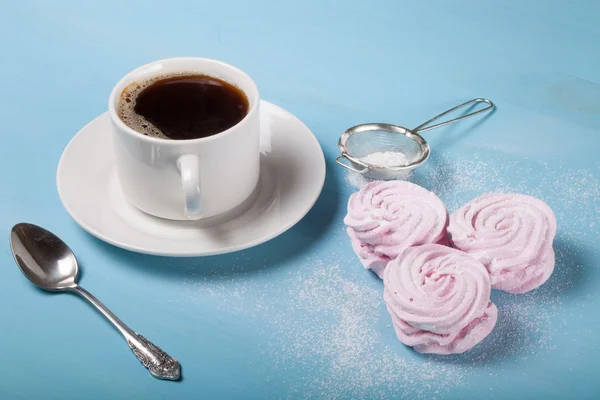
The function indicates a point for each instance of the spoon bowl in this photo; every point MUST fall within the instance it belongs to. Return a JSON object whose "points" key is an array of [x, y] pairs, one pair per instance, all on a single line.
{"points": [[43, 258]]}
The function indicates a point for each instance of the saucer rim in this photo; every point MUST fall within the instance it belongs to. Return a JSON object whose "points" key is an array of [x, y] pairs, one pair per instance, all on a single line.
{"points": [[191, 253]]}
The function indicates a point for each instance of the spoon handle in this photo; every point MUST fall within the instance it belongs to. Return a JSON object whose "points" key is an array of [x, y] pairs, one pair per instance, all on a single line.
{"points": [[160, 364]]}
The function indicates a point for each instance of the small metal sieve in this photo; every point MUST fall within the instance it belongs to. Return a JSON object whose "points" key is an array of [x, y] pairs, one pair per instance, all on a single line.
{"points": [[360, 141]]}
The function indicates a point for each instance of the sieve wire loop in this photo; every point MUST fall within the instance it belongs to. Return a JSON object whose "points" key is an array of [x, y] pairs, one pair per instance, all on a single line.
{"points": [[350, 167], [423, 127]]}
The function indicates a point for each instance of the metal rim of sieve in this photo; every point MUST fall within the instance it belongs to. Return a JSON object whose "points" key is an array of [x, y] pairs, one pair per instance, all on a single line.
{"points": [[393, 129], [412, 134]]}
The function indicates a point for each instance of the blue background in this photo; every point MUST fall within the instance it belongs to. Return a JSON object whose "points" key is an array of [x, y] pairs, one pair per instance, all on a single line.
{"points": [[298, 316]]}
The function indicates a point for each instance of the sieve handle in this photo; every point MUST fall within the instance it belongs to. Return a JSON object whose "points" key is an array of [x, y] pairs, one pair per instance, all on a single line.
{"points": [[423, 127], [350, 167]]}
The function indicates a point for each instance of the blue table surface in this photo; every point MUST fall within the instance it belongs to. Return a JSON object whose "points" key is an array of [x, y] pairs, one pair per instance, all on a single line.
{"points": [[298, 317]]}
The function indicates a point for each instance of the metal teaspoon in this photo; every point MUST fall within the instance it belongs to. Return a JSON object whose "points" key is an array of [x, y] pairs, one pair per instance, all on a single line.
{"points": [[49, 263]]}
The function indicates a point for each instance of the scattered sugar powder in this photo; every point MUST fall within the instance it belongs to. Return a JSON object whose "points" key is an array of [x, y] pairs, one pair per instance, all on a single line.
{"points": [[332, 331], [357, 180], [327, 325], [325, 332]]}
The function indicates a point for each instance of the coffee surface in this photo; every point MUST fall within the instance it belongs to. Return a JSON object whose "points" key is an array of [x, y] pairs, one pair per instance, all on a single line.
{"points": [[182, 106]]}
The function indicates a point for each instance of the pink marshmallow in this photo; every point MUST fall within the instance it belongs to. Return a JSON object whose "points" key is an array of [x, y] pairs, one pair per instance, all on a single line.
{"points": [[439, 299], [367, 256], [386, 217], [511, 235]]}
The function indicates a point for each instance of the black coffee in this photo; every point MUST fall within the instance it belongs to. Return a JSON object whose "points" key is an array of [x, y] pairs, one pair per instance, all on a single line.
{"points": [[181, 106]]}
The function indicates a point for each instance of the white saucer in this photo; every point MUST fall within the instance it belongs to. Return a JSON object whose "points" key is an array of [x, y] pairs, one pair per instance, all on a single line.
{"points": [[292, 176]]}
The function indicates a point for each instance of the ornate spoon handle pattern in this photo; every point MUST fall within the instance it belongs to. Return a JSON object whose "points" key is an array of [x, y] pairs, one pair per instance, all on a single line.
{"points": [[160, 364]]}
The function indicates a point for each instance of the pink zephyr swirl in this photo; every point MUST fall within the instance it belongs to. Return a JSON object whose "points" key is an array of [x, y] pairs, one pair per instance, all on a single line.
{"points": [[368, 258], [384, 218], [439, 299], [511, 235]]}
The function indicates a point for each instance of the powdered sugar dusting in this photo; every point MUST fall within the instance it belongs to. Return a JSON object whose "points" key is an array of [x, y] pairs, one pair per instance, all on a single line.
{"points": [[357, 180], [326, 325], [338, 320], [327, 329]]}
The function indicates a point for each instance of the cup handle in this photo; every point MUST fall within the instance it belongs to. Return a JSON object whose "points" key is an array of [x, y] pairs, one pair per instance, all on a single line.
{"points": [[189, 167]]}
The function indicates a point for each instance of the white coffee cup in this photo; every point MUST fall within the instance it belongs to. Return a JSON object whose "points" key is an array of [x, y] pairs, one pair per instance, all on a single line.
{"points": [[188, 179]]}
